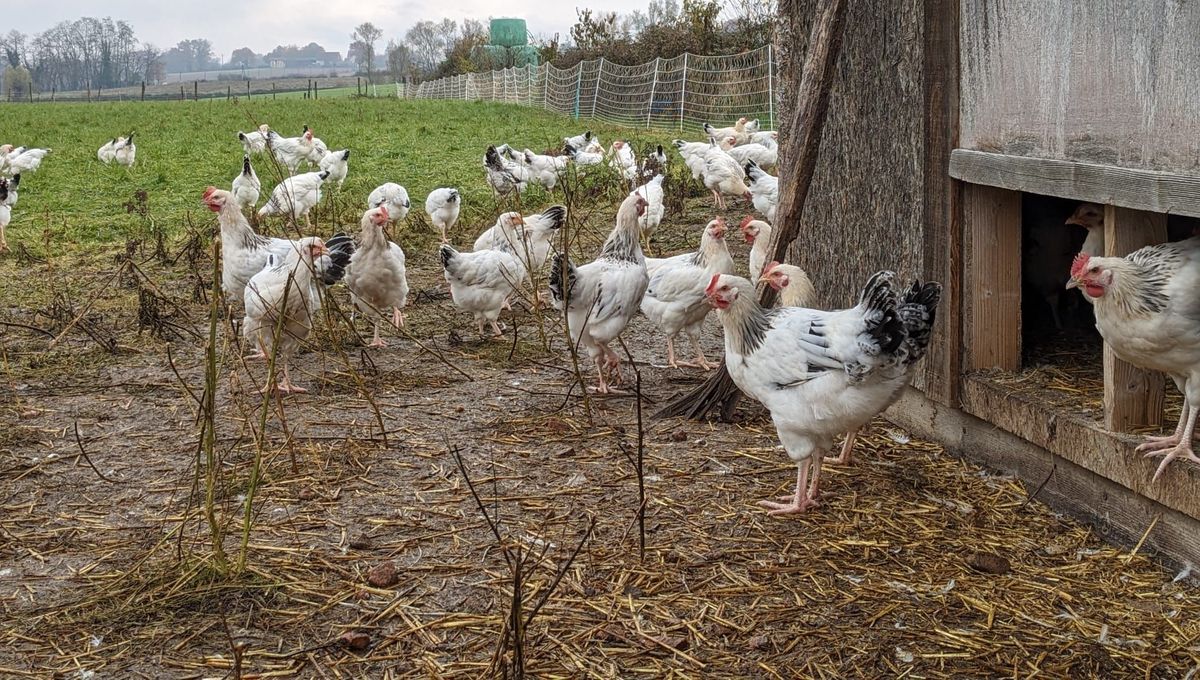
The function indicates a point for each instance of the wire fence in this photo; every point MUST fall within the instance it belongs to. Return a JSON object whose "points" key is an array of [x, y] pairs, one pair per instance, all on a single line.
{"points": [[664, 93]]}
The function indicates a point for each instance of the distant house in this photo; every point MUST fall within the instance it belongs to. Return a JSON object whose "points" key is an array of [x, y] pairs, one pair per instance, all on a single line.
{"points": [[278, 63]]}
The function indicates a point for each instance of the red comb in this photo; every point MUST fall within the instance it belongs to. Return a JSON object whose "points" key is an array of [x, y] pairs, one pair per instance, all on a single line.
{"points": [[770, 265], [208, 191], [746, 221], [1080, 263], [712, 285]]}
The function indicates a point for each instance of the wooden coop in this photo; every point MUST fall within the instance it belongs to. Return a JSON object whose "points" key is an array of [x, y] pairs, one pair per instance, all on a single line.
{"points": [[951, 124]]}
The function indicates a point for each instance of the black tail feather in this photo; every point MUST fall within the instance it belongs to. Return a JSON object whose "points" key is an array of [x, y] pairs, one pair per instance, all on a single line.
{"points": [[879, 302], [557, 214], [492, 159], [447, 253], [341, 247], [560, 265]]}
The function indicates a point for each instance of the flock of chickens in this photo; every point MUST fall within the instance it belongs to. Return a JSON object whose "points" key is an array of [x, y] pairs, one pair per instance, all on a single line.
{"points": [[820, 373]]}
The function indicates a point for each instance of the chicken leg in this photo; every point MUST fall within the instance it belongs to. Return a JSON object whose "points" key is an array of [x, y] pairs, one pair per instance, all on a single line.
{"points": [[847, 446], [1157, 443], [800, 500], [377, 341], [1182, 449], [397, 318]]}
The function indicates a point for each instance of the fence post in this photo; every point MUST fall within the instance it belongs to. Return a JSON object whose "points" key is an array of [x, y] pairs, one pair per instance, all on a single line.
{"points": [[143, 90], [683, 91], [596, 95], [196, 90], [182, 97], [653, 86], [228, 93], [247, 89], [770, 90], [578, 87], [546, 87], [272, 90]]}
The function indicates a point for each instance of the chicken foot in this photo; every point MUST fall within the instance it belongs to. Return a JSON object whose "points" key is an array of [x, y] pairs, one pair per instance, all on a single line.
{"points": [[397, 318], [801, 500], [847, 446], [1157, 443], [1182, 449], [377, 341]]}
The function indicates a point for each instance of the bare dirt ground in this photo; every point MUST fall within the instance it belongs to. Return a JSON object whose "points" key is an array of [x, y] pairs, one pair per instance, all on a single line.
{"points": [[916, 565]]}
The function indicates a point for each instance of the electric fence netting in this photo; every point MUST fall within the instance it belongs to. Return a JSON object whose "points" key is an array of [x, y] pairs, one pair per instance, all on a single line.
{"points": [[663, 94]]}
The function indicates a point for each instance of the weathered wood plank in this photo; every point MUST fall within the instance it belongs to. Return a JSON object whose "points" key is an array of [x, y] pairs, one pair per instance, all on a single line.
{"points": [[942, 199], [992, 278], [1132, 397], [1147, 190], [1119, 515], [1083, 442]]}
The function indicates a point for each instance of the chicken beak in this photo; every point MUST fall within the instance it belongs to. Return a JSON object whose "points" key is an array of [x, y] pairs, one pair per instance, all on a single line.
{"points": [[1074, 283], [1076, 221]]}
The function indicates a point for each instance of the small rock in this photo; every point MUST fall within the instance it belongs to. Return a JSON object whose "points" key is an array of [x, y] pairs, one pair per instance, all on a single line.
{"points": [[383, 575], [568, 452], [361, 542], [679, 436], [355, 639], [307, 494], [760, 642], [989, 564], [459, 408], [619, 429]]}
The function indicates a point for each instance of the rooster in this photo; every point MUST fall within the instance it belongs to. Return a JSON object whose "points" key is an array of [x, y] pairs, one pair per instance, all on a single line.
{"points": [[674, 299], [503, 175], [764, 190], [376, 277], [281, 301], [246, 187], [255, 141], [338, 165], [1148, 311], [295, 196], [442, 206], [652, 191], [482, 281], [393, 197], [602, 296], [822, 373]]}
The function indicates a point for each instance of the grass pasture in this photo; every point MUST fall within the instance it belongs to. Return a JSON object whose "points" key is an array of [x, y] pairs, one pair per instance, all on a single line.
{"points": [[332, 534]]}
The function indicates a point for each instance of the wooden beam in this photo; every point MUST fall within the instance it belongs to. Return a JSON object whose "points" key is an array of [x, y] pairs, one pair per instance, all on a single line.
{"points": [[991, 278], [1158, 192], [1132, 397]]}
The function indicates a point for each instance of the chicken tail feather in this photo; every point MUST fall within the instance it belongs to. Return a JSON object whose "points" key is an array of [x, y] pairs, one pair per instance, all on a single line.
{"points": [[561, 271], [333, 265]]}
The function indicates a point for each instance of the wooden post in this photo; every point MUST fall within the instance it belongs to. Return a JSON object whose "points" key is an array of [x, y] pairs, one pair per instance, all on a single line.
{"points": [[247, 89], [272, 91], [228, 93], [30, 92], [1132, 397], [196, 90], [181, 95], [992, 278], [359, 85], [143, 90]]}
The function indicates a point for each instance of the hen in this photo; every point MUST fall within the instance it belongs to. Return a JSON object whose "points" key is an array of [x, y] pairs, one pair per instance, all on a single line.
{"points": [[624, 161], [601, 297], [393, 197], [15, 161], [246, 187], [543, 170], [280, 303], [376, 277], [338, 165], [655, 162], [758, 234], [764, 190], [723, 175], [740, 131], [763, 155], [581, 140], [583, 157], [692, 154], [291, 151], [255, 141], [1148, 312], [822, 373], [295, 196], [481, 281], [675, 301], [794, 286], [120, 149], [503, 175], [1090, 216], [652, 192], [442, 206], [5, 213]]}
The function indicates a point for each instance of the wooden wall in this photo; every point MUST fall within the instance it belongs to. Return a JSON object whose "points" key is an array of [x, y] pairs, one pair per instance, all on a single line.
{"points": [[1115, 82]]}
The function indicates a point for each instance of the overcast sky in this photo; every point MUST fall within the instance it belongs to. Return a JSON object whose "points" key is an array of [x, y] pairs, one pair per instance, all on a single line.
{"points": [[263, 24]]}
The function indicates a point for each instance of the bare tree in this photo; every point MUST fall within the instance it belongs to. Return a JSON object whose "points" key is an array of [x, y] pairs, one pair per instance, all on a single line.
{"points": [[367, 34]]}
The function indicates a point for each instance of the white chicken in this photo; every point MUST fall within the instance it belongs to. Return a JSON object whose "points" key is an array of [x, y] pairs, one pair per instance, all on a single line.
{"points": [[338, 165], [14, 183], [764, 190], [503, 175], [675, 301], [5, 213], [582, 140], [290, 151], [758, 234], [295, 196], [1090, 216], [107, 152], [125, 152], [723, 176], [740, 131], [692, 154], [376, 277], [19, 160], [624, 161], [765, 137], [794, 286], [655, 162], [1148, 312], [246, 187], [544, 170], [281, 301], [582, 156], [822, 373], [652, 192], [532, 236], [481, 281], [244, 253], [318, 151], [764, 156], [443, 205], [255, 141], [393, 197], [602, 296]]}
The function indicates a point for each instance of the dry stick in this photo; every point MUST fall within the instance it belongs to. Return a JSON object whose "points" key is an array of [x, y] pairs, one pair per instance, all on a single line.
{"points": [[802, 134], [182, 382], [83, 452], [1039, 488], [572, 346], [43, 331], [86, 307]]}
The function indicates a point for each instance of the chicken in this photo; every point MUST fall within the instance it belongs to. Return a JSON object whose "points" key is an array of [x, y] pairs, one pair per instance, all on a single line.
{"points": [[652, 192], [543, 170], [765, 137], [376, 277], [1148, 312], [794, 286], [764, 156], [246, 187], [602, 296], [624, 161], [255, 141], [16, 161], [674, 299], [739, 131], [758, 234], [14, 183], [822, 373], [582, 156], [692, 154], [295, 196], [318, 151], [281, 301], [532, 236], [338, 165], [5, 213], [290, 151], [582, 140], [107, 152], [723, 175], [764, 190], [442, 206], [1090, 216], [245, 253], [503, 175], [393, 197], [481, 281], [125, 151], [655, 162]]}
